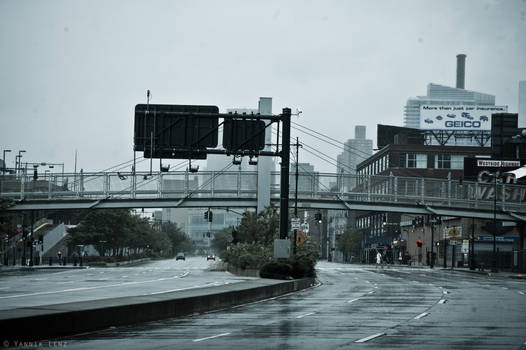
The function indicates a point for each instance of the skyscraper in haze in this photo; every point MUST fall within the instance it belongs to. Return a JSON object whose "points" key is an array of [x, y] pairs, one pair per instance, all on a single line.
{"points": [[522, 104], [355, 151]]}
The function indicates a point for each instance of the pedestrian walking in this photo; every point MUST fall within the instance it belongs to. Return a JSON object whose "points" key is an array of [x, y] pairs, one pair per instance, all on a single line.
{"points": [[378, 259]]}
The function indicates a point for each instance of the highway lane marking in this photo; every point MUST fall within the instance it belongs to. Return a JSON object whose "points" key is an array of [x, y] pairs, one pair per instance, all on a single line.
{"points": [[212, 337], [353, 300], [310, 313], [423, 314], [442, 301], [363, 340], [521, 293], [371, 292], [444, 291], [179, 289], [88, 288]]}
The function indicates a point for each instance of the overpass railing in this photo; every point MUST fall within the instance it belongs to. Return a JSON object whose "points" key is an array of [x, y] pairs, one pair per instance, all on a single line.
{"points": [[243, 184]]}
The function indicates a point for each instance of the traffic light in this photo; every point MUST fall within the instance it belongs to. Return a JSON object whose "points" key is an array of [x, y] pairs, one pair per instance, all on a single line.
{"points": [[35, 174], [210, 216], [206, 215]]}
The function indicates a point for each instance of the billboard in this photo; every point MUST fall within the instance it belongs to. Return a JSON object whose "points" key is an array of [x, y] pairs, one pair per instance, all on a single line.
{"points": [[461, 117]]}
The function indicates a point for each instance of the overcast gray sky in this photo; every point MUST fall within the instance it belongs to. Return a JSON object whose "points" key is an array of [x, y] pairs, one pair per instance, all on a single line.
{"points": [[71, 72]]}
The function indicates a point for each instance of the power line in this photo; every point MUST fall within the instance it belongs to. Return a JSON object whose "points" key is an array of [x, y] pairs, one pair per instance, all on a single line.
{"points": [[349, 148]]}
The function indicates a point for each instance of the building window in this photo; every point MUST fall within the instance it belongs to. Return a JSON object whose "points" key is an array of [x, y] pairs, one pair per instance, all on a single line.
{"points": [[443, 161], [457, 162], [413, 160]]}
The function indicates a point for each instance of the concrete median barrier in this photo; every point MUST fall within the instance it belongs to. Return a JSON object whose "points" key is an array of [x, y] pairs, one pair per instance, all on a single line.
{"points": [[59, 320]]}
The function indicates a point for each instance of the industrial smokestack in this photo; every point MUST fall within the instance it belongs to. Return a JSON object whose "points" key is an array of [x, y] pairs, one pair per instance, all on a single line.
{"points": [[461, 70]]}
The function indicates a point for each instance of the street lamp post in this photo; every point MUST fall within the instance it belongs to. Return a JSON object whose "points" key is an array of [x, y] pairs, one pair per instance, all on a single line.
{"points": [[5, 163], [432, 258], [494, 262], [18, 165]]}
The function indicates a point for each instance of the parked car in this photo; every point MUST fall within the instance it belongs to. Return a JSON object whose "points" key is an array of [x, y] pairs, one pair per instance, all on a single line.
{"points": [[180, 256], [211, 257]]}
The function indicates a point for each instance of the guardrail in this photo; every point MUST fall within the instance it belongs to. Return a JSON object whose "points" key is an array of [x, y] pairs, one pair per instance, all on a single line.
{"points": [[242, 184]]}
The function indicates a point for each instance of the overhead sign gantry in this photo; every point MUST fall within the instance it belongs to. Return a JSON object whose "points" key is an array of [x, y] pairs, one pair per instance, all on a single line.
{"points": [[192, 132]]}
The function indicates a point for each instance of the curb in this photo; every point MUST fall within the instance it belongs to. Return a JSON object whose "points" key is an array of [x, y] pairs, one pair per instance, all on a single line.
{"points": [[26, 324]]}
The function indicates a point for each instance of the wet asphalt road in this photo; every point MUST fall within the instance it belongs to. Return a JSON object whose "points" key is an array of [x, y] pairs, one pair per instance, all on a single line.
{"points": [[46, 287], [355, 307]]}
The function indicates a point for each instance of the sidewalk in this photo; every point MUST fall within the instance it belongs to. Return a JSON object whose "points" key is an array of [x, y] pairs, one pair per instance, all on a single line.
{"points": [[503, 274], [11, 268]]}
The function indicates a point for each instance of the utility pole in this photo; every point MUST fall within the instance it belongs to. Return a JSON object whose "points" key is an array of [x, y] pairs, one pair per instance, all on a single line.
{"points": [[296, 194], [284, 179], [494, 262], [432, 258]]}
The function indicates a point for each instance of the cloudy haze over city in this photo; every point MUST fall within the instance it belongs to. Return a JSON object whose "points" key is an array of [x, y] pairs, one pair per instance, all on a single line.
{"points": [[72, 72]]}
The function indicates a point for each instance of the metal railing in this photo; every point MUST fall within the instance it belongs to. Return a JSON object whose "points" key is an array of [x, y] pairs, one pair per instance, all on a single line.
{"points": [[242, 184]]}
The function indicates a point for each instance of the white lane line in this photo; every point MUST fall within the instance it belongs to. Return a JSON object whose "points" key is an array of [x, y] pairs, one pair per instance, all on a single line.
{"points": [[423, 314], [301, 316], [521, 293], [90, 288], [444, 291], [371, 292], [442, 301], [363, 340], [212, 337], [353, 300]]}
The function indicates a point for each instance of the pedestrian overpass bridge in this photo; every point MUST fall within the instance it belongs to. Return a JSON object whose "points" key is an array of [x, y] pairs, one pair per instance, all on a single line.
{"points": [[238, 189]]}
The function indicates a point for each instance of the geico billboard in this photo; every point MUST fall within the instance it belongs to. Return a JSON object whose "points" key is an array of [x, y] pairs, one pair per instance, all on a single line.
{"points": [[436, 117]]}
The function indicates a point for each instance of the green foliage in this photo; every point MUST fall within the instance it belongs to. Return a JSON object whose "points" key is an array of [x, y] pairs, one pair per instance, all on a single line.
{"points": [[221, 241], [115, 229], [248, 255], [6, 217], [178, 239], [276, 270], [259, 228], [304, 263], [350, 243]]}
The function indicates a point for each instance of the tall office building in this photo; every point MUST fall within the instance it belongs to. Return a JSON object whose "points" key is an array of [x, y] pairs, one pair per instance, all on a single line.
{"points": [[439, 95], [463, 113], [522, 104], [355, 151]]}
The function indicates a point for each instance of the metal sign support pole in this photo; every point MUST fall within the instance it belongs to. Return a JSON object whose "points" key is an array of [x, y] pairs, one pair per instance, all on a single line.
{"points": [[285, 163]]}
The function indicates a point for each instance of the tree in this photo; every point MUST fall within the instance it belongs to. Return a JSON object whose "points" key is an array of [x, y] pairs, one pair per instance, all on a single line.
{"points": [[6, 217], [179, 241], [259, 228], [350, 243], [221, 240], [117, 229]]}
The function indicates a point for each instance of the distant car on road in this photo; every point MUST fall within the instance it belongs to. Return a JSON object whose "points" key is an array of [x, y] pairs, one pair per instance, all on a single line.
{"points": [[429, 121], [484, 118], [180, 256], [211, 257]]}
